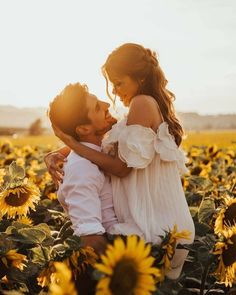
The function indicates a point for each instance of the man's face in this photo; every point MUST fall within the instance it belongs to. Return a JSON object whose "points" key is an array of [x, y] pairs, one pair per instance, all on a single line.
{"points": [[98, 113]]}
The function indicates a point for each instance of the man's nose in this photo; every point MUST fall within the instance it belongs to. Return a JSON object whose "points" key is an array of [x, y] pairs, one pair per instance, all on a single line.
{"points": [[106, 105]]}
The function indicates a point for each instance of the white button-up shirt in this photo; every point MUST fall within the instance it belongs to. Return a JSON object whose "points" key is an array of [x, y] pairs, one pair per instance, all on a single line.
{"points": [[86, 195]]}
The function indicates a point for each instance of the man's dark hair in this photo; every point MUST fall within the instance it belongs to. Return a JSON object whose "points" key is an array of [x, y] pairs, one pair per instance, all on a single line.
{"points": [[69, 109]]}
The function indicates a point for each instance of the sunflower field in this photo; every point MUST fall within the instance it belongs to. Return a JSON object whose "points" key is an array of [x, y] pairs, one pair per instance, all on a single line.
{"points": [[39, 254]]}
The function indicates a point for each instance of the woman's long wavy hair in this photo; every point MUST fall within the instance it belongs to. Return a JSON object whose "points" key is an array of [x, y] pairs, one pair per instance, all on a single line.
{"points": [[141, 64]]}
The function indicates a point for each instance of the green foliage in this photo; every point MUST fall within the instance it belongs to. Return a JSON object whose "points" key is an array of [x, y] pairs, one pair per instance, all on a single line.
{"points": [[50, 238]]}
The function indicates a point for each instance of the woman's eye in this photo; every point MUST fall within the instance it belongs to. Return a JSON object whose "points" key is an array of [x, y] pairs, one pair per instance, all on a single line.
{"points": [[118, 84]]}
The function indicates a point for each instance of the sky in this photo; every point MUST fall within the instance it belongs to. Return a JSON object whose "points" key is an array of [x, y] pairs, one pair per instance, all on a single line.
{"points": [[46, 44]]}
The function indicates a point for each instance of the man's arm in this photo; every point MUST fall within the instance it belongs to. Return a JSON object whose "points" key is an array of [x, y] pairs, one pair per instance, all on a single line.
{"points": [[55, 161], [97, 242], [64, 151], [81, 188]]}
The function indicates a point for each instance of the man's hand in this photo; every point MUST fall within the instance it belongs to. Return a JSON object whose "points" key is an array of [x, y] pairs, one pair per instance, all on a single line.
{"points": [[54, 162], [97, 242]]}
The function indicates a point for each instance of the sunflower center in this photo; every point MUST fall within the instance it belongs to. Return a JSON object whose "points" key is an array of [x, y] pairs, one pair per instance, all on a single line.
{"points": [[229, 255], [196, 170], [15, 200], [124, 278], [230, 215]]}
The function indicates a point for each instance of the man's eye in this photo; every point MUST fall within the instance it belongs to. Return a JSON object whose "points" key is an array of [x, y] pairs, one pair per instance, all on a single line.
{"points": [[98, 107]]}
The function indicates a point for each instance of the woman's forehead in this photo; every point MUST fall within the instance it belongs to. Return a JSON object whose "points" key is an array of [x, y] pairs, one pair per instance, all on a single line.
{"points": [[116, 77]]}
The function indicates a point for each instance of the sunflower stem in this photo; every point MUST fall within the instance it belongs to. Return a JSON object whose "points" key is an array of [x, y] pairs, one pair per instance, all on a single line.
{"points": [[210, 289], [204, 277], [44, 255]]}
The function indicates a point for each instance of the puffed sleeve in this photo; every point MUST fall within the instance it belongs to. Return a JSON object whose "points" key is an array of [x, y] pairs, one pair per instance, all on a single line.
{"points": [[136, 146], [165, 145]]}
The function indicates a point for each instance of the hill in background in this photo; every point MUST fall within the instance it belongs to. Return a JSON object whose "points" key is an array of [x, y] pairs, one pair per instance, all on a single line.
{"points": [[22, 118]]}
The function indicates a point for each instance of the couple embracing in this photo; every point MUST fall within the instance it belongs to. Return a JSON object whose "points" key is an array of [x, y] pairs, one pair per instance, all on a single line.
{"points": [[122, 177]]}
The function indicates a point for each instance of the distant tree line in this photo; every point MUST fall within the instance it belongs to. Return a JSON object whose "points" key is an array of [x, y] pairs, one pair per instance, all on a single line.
{"points": [[34, 129]]}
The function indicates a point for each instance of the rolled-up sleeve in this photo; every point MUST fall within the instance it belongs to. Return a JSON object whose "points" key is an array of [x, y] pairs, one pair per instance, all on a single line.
{"points": [[83, 185]]}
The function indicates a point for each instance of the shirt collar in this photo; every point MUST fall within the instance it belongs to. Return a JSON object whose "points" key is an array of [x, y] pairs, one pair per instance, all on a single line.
{"points": [[92, 146]]}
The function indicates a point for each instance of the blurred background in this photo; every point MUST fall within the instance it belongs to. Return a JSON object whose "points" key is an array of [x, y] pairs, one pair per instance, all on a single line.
{"points": [[48, 44]]}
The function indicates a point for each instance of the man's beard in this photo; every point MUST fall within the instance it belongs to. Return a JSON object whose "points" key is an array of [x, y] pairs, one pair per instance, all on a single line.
{"points": [[103, 131]]}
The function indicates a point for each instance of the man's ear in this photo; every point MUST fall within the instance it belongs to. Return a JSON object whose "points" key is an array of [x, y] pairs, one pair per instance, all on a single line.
{"points": [[83, 130]]}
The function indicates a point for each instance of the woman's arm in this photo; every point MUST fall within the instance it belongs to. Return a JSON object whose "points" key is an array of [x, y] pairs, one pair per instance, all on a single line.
{"points": [[110, 164]]}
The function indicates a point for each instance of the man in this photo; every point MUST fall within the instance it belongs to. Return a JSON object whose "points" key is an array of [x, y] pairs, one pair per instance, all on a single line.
{"points": [[86, 193]]}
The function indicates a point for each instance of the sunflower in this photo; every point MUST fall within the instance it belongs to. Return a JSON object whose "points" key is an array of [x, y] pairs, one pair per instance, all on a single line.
{"points": [[20, 162], [2, 173], [52, 196], [63, 284], [169, 243], [226, 216], [6, 146], [18, 199], [81, 259], [127, 269], [12, 258], [184, 182], [231, 153], [226, 252], [46, 275], [212, 150], [44, 180], [206, 169], [195, 152], [224, 157], [25, 220]]}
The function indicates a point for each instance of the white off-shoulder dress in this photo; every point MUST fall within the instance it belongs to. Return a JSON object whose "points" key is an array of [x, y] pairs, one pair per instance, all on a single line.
{"points": [[150, 199]]}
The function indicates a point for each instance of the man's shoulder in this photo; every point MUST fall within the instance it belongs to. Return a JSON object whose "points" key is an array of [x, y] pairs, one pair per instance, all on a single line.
{"points": [[79, 165]]}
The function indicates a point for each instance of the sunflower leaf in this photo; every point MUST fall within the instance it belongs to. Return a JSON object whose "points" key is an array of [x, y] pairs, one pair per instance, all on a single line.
{"points": [[43, 227], [16, 172], [32, 235], [203, 254], [201, 229], [22, 276], [40, 255], [73, 242], [5, 244], [19, 225], [206, 209]]}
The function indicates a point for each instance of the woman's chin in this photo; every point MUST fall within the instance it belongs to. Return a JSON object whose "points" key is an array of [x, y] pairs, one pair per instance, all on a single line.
{"points": [[125, 103]]}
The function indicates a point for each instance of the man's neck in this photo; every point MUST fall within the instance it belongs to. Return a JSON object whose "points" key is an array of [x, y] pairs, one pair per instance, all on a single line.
{"points": [[96, 139]]}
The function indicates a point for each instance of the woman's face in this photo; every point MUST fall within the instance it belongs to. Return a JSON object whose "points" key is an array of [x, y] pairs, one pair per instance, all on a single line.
{"points": [[125, 87]]}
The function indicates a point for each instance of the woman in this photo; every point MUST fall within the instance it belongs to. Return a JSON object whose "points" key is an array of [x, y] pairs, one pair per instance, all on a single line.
{"points": [[148, 141]]}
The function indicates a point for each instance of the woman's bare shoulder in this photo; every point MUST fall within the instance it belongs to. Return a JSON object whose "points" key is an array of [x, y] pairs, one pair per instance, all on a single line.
{"points": [[142, 99], [142, 111]]}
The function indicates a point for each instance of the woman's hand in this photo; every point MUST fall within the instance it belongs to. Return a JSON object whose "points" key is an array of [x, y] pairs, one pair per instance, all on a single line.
{"points": [[54, 162], [66, 138]]}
